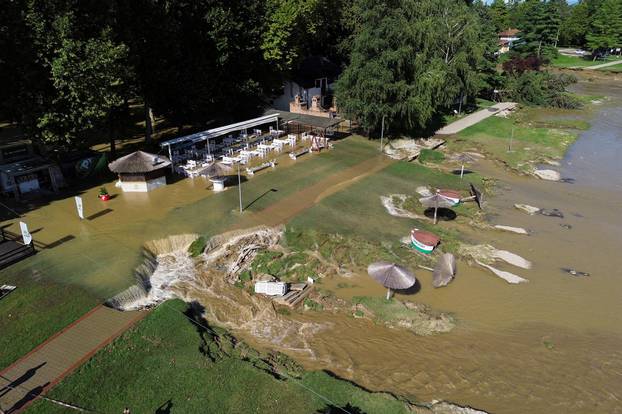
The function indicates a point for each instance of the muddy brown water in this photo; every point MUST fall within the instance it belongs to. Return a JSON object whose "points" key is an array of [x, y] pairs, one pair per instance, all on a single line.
{"points": [[551, 345]]}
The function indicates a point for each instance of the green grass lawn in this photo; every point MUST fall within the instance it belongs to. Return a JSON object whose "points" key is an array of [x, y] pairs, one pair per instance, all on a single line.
{"points": [[159, 361], [532, 141], [563, 61], [36, 310], [614, 68]]}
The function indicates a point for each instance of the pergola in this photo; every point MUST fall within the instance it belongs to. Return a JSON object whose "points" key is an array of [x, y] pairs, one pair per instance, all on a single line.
{"points": [[220, 131]]}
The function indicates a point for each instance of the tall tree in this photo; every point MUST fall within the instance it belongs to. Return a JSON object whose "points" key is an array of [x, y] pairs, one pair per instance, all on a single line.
{"points": [[606, 28], [410, 59], [500, 15], [576, 26], [539, 28]]}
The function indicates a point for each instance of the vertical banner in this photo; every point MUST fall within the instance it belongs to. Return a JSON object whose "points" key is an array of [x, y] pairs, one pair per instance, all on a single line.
{"points": [[26, 236], [79, 206]]}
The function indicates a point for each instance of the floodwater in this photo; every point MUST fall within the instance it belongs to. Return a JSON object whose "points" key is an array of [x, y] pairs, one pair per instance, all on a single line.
{"points": [[550, 345]]}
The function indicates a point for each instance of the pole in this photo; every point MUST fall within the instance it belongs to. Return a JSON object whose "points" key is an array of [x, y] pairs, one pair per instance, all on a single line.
{"points": [[388, 293], [382, 133], [170, 156], [511, 138], [240, 187], [461, 171]]}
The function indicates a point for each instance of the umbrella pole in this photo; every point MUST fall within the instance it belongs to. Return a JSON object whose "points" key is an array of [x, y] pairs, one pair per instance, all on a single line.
{"points": [[461, 171], [435, 210], [388, 293]]}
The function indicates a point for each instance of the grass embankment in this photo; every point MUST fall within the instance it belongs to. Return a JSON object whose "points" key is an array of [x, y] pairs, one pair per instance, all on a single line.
{"points": [[36, 310], [166, 362], [613, 68], [522, 140], [563, 61]]}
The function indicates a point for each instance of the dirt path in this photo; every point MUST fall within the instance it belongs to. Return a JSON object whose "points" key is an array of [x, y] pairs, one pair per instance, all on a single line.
{"points": [[46, 365], [474, 118], [282, 211]]}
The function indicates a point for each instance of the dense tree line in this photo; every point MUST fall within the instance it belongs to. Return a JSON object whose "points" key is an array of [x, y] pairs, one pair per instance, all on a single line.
{"points": [[70, 69]]}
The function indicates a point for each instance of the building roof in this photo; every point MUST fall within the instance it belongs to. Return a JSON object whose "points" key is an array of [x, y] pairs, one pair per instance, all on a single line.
{"points": [[139, 162], [509, 33], [304, 119]]}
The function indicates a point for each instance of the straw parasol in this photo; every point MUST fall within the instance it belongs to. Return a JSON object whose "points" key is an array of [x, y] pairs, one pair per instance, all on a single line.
{"points": [[139, 162], [436, 201], [391, 276], [217, 170], [464, 159], [444, 271]]}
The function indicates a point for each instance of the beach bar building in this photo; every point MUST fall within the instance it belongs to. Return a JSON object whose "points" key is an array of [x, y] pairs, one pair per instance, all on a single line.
{"points": [[140, 171]]}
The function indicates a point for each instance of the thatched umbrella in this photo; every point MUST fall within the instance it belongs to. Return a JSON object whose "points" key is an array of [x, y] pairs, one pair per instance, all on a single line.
{"points": [[436, 201], [464, 158], [217, 173], [444, 271], [391, 276]]}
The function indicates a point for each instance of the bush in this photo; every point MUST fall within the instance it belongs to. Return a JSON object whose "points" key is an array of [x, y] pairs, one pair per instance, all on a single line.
{"points": [[428, 155], [197, 247], [542, 89]]}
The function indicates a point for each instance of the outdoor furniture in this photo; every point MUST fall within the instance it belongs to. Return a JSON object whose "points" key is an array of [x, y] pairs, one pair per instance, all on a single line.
{"points": [[252, 171], [295, 155]]}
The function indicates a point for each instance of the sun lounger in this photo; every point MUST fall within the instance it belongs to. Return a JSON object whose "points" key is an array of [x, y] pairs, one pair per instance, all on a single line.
{"points": [[295, 155], [252, 171]]}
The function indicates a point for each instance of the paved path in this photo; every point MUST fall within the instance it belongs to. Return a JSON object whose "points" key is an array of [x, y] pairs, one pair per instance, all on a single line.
{"points": [[602, 65], [42, 368], [474, 118]]}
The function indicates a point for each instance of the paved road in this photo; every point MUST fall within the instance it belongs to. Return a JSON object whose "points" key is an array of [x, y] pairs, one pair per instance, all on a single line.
{"points": [[38, 371], [474, 118]]}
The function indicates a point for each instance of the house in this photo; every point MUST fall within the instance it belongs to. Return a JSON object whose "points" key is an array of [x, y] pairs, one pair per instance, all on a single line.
{"points": [[507, 38], [140, 171]]}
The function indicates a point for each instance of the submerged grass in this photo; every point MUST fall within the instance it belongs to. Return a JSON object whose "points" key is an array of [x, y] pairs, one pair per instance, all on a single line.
{"points": [[519, 141], [159, 363]]}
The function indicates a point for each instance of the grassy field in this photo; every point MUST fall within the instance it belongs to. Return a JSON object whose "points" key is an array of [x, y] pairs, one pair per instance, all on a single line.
{"points": [[36, 310], [522, 140], [563, 61], [159, 364], [614, 68]]}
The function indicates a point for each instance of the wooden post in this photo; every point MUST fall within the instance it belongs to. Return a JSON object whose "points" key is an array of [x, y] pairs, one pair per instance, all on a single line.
{"points": [[461, 171], [388, 293]]}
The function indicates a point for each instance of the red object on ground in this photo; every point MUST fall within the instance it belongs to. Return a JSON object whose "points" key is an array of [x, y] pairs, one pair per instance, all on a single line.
{"points": [[426, 237], [450, 194], [104, 197]]}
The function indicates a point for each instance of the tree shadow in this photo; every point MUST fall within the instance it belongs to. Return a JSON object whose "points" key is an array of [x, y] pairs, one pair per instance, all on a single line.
{"points": [[333, 409], [20, 380], [443, 214], [26, 399], [165, 408]]}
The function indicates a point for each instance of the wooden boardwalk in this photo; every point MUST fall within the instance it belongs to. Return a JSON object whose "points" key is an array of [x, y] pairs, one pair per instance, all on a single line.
{"points": [[474, 118], [32, 375]]}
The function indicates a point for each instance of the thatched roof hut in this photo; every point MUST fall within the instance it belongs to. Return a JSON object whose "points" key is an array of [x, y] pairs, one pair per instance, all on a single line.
{"points": [[140, 171]]}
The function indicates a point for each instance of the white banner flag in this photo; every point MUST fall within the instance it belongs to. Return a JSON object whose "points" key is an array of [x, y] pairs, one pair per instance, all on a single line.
{"points": [[26, 236], [79, 206]]}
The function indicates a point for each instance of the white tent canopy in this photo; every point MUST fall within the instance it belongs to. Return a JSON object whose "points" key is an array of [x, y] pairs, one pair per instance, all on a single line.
{"points": [[220, 131]]}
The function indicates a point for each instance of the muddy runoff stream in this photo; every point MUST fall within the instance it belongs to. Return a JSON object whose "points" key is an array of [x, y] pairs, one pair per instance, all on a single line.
{"points": [[550, 345]]}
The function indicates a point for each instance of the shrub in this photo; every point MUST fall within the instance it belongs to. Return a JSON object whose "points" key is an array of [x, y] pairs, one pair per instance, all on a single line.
{"points": [[428, 155], [197, 247]]}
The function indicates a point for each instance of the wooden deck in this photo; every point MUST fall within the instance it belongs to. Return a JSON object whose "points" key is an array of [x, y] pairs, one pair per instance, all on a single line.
{"points": [[31, 376]]}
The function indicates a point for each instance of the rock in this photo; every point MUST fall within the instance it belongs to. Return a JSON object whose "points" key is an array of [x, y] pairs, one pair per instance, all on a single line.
{"points": [[553, 162], [531, 210], [568, 180], [517, 230], [443, 407], [507, 276], [423, 191], [566, 226], [512, 259], [549, 175], [574, 272], [552, 212]]}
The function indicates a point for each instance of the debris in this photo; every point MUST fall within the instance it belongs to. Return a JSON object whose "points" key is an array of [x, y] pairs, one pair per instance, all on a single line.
{"points": [[517, 230], [507, 276], [512, 259], [394, 204], [409, 149], [574, 272], [423, 191], [553, 212], [531, 210], [566, 226], [271, 288], [548, 175]]}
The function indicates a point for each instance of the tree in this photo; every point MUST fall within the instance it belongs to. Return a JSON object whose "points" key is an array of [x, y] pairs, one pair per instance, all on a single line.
{"points": [[539, 28], [575, 27], [410, 60], [606, 28], [500, 15]]}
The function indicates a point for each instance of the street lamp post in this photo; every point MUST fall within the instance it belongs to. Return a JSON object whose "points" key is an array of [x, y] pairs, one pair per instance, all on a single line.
{"points": [[240, 187]]}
